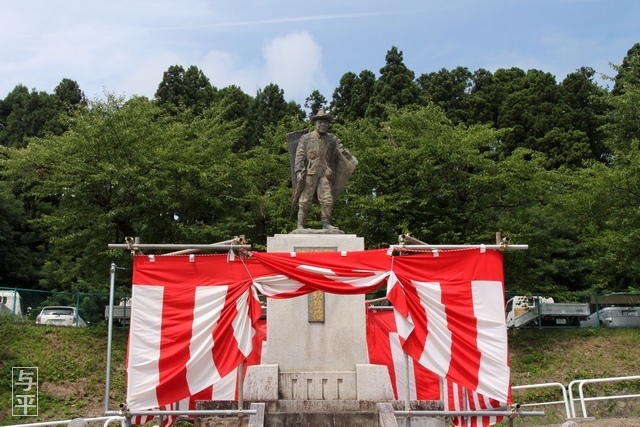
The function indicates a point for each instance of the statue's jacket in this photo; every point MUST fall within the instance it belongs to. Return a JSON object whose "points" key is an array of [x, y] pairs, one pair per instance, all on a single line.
{"points": [[316, 154], [312, 155]]}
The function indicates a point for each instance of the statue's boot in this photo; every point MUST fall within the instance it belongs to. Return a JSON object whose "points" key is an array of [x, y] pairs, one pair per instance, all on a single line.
{"points": [[302, 219], [326, 219], [326, 224]]}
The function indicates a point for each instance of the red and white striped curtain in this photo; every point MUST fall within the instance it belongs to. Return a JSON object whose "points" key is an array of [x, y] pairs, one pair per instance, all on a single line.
{"points": [[199, 314]]}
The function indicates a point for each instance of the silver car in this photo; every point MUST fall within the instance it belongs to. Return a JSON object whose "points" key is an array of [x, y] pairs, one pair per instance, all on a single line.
{"points": [[614, 317], [60, 316]]}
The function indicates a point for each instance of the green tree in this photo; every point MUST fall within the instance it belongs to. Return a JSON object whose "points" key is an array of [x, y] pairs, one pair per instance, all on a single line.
{"points": [[315, 102], [622, 126], [24, 114], [69, 94], [529, 204], [581, 108], [489, 91], [416, 175], [269, 107], [182, 88], [528, 111], [236, 108], [449, 90], [628, 73], [560, 120], [351, 98], [123, 169], [265, 185], [18, 260], [396, 86], [607, 207]]}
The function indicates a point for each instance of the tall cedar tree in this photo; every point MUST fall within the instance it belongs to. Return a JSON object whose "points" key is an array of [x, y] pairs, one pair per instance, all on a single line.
{"points": [[180, 89], [396, 86], [351, 98]]}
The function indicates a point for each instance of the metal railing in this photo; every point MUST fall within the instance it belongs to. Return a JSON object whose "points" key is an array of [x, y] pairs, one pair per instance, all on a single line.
{"points": [[568, 399], [583, 399], [564, 394]]}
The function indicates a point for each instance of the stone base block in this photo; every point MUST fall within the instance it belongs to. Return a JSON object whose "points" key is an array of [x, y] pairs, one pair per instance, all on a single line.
{"points": [[336, 413], [261, 383], [368, 382], [337, 385], [373, 382]]}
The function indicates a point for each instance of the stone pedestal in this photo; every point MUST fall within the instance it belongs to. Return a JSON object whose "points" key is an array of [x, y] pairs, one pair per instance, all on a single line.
{"points": [[297, 344], [319, 356], [316, 369]]}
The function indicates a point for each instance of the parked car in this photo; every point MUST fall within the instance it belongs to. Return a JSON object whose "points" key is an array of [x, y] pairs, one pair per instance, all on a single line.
{"points": [[610, 317], [60, 316]]}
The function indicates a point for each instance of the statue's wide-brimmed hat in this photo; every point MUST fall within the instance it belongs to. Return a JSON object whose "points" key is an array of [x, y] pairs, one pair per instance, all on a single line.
{"points": [[322, 114]]}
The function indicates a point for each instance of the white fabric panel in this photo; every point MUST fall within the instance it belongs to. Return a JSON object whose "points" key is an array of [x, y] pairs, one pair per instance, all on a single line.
{"points": [[271, 286], [437, 350], [488, 307], [144, 347], [209, 302], [400, 368], [242, 328]]}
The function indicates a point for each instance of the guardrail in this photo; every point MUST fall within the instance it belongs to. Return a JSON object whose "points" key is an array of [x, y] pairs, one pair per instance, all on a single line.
{"points": [[583, 399], [564, 394], [568, 399]]}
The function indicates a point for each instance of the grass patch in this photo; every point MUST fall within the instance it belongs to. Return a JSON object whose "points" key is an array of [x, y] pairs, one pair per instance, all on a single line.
{"points": [[72, 364]]}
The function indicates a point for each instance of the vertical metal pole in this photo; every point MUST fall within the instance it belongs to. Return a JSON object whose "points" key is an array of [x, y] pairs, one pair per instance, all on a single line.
{"points": [[240, 386], [77, 308], [539, 301], [112, 286], [125, 322], [15, 301], [407, 388]]}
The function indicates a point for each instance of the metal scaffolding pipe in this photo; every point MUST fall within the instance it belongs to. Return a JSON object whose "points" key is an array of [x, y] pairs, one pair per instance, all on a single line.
{"points": [[225, 247], [112, 283], [407, 238], [444, 247], [191, 251], [199, 412], [470, 413]]}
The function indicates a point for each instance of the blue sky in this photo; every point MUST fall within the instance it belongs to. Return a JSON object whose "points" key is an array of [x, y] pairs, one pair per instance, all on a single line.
{"points": [[123, 47]]}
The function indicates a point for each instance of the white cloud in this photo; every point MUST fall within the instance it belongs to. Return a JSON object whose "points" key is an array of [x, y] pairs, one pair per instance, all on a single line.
{"points": [[292, 61], [145, 76]]}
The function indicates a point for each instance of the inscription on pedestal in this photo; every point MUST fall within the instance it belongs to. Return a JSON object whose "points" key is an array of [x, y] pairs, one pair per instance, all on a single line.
{"points": [[316, 307], [315, 300]]}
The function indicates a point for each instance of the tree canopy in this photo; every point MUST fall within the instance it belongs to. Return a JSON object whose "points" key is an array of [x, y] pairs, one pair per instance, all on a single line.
{"points": [[452, 157]]}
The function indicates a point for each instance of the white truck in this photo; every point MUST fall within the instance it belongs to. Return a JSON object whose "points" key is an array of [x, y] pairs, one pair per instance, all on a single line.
{"points": [[611, 317], [527, 311], [121, 312], [10, 303], [614, 310]]}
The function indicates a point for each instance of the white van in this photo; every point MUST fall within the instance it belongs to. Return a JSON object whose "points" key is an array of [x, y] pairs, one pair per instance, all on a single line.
{"points": [[611, 317], [10, 303]]}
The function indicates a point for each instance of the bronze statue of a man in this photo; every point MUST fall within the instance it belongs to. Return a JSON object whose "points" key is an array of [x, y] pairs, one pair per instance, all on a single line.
{"points": [[321, 168]]}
